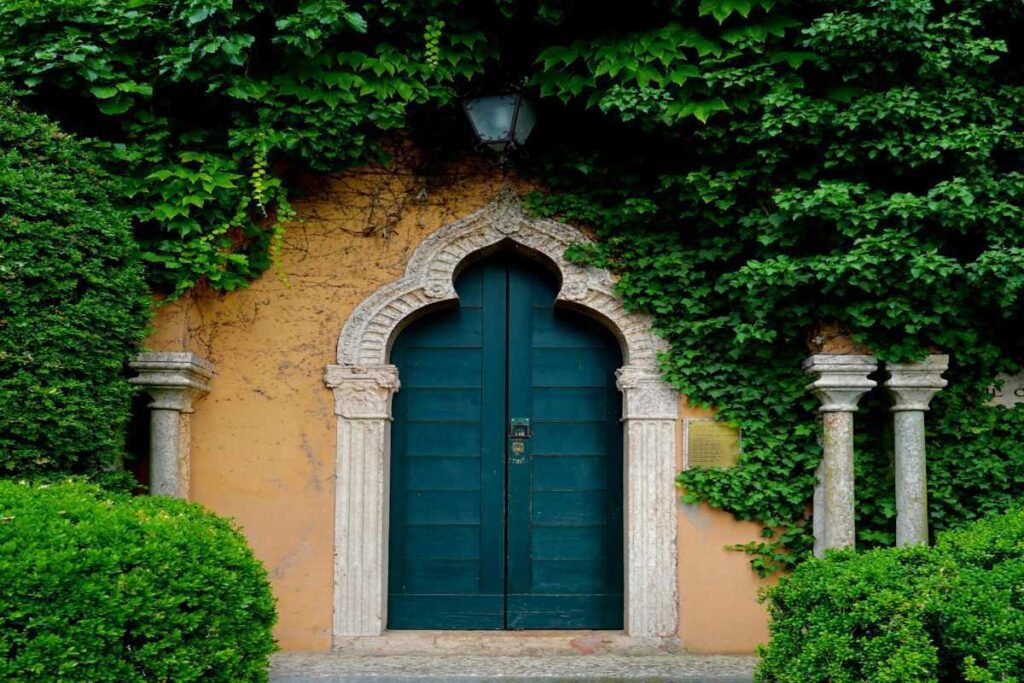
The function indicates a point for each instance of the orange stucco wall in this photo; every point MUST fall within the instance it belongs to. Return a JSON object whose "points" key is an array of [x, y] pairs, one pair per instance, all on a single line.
{"points": [[263, 441]]}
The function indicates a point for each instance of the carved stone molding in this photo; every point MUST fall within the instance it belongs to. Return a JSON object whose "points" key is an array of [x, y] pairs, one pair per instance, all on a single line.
{"points": [[840, 379], [364, 392], [429, 276], [363, 382], [912, 385], [174, 380], [645, 394]]}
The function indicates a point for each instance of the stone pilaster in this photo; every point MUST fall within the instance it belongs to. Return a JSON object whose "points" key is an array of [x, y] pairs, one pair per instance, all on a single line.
{"points": [[362, 402], [650, 410], [840, 380], [912, 386], [174, 380]]}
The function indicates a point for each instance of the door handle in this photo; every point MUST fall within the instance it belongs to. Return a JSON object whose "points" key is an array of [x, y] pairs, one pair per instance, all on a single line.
{"points": [[519, 428]]}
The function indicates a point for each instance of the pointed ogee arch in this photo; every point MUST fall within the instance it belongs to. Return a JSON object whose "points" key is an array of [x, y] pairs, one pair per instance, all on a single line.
{"points": [[364, 382], [430, 273]]}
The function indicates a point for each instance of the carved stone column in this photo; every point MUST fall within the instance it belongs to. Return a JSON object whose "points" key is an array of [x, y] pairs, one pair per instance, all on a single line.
{"points": [[650, 412], [840, 381], [912, 386], [174, 381], [362, 402]]}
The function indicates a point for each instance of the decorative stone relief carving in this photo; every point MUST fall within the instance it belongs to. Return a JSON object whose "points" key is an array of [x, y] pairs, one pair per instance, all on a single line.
{"points": [[364, 382], [428, 280], [646, 395], [362, 392]]}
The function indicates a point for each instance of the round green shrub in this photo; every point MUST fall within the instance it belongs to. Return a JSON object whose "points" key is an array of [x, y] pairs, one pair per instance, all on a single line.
{"points": [[954, 612], [981, 616], [73, 303], [104, 587]]}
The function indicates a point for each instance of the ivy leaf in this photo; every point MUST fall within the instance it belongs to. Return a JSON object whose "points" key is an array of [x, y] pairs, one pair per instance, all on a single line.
{"points": [[795, 58], [356, 21], [103, 92], [699, 109], [646, 74], [723, 9], [116, 105], [682, 73]]}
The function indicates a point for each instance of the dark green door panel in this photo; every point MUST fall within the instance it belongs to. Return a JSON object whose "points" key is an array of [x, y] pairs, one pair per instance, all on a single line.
{"points": [[446, 567], [565, 501], [479, 540]]}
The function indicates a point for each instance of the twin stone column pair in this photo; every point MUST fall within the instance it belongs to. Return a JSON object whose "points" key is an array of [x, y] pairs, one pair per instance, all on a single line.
{"points": [[840, 380]]}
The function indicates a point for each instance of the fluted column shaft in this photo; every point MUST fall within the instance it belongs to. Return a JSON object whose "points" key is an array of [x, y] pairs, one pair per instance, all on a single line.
{"points": [[362, 401], [650, 410]]}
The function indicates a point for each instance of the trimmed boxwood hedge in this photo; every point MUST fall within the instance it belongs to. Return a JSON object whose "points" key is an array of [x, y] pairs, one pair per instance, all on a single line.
{"points": [[73, 303], [98, 587], [954, 612]]}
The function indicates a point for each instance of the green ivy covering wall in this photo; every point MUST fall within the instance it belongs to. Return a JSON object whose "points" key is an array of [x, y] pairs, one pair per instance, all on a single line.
{"points": [[73, 303], [756, 170], [877, 188]]}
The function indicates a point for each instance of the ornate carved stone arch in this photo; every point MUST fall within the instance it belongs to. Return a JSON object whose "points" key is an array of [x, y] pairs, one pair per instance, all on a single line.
{"points": [[428, 280], [364, 383]]}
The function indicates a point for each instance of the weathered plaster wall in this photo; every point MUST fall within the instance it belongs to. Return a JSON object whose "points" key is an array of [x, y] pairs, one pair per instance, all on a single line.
{"points": [[718, 608], [263, 440]]}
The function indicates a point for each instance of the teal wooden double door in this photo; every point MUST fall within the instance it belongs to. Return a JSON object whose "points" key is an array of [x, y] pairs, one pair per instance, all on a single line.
{"points": [[489, 531]]}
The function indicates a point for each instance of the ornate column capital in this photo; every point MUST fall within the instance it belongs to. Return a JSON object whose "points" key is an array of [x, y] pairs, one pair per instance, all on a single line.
{"points": [[645, 394], [363, 392], [840, 379], [912, 385], [174, 380]]}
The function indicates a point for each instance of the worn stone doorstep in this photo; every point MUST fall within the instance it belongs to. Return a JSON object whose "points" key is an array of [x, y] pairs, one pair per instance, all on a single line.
{"points": [[579, 668]]}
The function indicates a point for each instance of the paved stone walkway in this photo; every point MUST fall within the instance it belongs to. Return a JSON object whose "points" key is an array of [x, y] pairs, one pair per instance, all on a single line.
{"points": [[597, 668]]}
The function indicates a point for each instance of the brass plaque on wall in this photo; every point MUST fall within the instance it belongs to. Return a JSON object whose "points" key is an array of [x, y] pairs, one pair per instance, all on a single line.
{"points": [[709, 443]]}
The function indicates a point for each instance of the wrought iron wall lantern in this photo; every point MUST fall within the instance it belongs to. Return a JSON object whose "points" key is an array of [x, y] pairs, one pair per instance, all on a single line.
{"points": [[501, 122]]}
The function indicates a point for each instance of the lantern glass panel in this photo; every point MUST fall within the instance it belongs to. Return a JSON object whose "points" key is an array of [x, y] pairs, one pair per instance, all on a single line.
{"points": [[524, 121], [492, 118]]}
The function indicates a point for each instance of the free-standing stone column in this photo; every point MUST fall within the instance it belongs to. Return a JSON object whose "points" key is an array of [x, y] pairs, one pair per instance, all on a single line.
{"points": [[174, 381], [650, 411], [840, 381], [362, 402], [912, 386]]}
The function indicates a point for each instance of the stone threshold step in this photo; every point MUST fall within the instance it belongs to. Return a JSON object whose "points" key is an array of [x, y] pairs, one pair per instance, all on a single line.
{"points": [[292, 667]]}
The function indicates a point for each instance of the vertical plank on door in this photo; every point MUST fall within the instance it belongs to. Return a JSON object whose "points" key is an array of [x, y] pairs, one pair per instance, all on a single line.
{"points": [[446, 564], [565, 503]]}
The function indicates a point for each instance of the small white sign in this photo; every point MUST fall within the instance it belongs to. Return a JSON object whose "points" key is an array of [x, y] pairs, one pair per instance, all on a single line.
{"points": [[1012, 392]]}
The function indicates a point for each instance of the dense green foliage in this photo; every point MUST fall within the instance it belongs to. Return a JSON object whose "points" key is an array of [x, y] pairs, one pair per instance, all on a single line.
{"points": [[73, 303], [949, 613], [98, 588], [192, 98], [759, 171], [877, 188]]}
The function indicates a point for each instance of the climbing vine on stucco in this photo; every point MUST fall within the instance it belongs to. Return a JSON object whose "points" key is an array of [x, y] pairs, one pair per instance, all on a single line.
{"points": [[761, 174]]}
